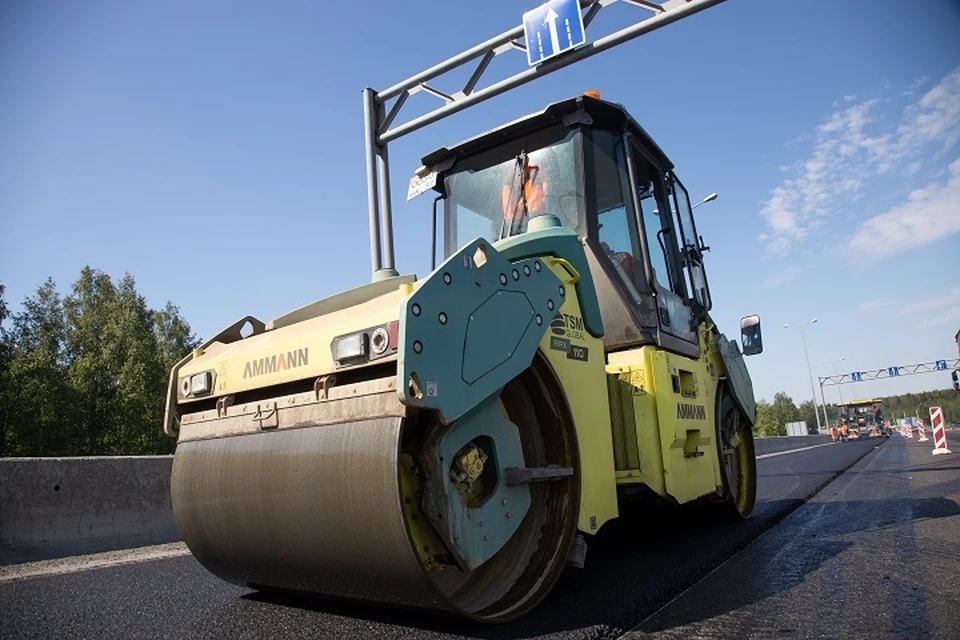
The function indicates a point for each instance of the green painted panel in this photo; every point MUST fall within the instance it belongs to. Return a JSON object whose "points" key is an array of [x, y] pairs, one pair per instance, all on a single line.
{"points": [[476, 534], [494, 331], [560, 242], [468, 330]]}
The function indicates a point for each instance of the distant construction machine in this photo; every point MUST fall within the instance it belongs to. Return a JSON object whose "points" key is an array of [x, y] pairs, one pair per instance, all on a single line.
{"points": [[450, 443]]}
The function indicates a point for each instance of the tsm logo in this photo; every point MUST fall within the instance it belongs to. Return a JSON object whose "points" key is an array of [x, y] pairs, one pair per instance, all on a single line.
{"points": [[558, 325]]}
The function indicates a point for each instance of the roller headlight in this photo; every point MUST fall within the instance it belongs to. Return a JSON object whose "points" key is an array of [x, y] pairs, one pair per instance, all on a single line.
{"points": [[352, 346], [197, 385], [368, 344]]}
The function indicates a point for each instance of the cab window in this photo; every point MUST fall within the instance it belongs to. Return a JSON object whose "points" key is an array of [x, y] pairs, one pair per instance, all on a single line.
{"points": [[495, 194], [616, 226]]}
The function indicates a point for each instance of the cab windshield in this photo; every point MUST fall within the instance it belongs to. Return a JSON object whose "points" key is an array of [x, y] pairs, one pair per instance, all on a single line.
{"points": [[495, 194]]}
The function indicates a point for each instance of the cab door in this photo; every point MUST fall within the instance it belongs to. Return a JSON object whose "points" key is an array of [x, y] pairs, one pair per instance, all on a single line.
{"points": [[664, 265]]}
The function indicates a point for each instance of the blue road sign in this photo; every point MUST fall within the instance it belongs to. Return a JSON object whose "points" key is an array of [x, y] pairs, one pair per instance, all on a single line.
{"points": [[941, 365], [893, 371], [552, 28], [856, 376]]}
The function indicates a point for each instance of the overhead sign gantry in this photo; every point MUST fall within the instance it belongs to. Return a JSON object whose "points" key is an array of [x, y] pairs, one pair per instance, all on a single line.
{"points": [[894, 371]]}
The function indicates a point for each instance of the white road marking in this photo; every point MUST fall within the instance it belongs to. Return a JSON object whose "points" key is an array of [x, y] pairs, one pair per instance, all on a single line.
{"points": [[76, 564], [783, 453]]}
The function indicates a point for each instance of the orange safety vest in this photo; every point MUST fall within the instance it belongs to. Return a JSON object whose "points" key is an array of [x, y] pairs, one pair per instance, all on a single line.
{"points": [[534, 193]]}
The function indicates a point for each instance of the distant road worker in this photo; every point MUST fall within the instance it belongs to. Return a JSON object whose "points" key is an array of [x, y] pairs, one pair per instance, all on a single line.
{"points": [[833, 432], [844, 431]]}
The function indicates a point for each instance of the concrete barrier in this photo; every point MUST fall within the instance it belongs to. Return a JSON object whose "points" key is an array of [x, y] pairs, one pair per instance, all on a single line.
{"points": [[56, 507], [786, 443]]}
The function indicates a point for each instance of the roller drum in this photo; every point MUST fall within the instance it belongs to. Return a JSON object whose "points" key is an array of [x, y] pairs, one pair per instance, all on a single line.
{"points": [[315, 509], [308, 493]]}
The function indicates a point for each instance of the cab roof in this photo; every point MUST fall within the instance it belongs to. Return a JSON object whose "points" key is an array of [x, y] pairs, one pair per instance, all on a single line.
{"points": [[605, 115]]}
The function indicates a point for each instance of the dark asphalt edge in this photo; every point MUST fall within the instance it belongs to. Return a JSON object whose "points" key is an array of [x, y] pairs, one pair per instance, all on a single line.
{"points": [[637, 634]]}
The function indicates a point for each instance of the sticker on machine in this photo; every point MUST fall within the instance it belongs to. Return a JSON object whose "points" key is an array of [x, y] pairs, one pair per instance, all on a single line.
{"points": [[432, 389], [578, 352]]}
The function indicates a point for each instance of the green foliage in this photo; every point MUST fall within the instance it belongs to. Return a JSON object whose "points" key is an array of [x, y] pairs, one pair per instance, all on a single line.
{"points": [[87, 374], [918, 404], [808, 413], [772, 418]]}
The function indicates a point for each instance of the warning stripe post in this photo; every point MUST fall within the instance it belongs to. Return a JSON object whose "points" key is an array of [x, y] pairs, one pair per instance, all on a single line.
{"points": [[939, 433], [923, 434]]}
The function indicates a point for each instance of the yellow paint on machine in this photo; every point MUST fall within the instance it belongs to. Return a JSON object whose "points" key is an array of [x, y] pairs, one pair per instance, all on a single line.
{"points": [[673, 402], [253, 363], [577, 358]]}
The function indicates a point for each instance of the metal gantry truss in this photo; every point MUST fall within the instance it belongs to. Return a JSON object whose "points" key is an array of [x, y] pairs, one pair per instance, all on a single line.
{"points": [[947, 364], [381, 108], [890, 372]]}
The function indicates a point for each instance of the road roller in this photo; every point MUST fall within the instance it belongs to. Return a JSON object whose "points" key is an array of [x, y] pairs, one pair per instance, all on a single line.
{"points": [[452, 443]]}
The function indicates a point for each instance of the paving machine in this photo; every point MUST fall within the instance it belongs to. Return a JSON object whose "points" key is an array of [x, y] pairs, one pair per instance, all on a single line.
{"points": [[449, 443]]}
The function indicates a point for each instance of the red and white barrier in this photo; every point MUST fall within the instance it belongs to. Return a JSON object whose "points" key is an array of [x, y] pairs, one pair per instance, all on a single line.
{"points": [[939, 434], [923, 434]]}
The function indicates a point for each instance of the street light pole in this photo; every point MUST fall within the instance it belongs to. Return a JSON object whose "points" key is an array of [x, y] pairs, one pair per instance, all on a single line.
{"points": [[813, 392]]}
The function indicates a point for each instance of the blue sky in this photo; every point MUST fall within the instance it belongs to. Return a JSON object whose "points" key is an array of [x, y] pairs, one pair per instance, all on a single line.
{"points": [[214, 150]]}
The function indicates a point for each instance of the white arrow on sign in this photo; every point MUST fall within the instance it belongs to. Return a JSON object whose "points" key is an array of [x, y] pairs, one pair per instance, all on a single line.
{"points": [[552, 22]]}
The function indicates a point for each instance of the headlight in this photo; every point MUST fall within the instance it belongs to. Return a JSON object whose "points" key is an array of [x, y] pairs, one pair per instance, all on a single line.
{"points": [[368, 344], [350, 347], [201, 383], [197, 385]]}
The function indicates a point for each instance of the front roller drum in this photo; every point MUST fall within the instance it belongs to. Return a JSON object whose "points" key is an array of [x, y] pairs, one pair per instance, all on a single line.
{"points": [[320, 509]]}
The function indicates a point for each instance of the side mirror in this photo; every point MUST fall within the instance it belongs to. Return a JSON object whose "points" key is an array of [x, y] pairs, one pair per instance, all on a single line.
{"points": [[751, 336]]}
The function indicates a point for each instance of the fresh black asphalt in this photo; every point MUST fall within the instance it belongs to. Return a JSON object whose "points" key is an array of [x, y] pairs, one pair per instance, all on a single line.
{"points": [[635, 566]]}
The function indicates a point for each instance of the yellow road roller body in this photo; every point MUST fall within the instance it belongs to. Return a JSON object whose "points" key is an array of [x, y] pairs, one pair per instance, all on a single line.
{"points": [[452, 443]]}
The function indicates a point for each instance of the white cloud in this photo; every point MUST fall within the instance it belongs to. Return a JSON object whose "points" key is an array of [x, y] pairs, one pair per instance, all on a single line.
{"points": [[781, 277], [943, 309], [950, 316], [935, 117], [874, 304], [916, 84], [929, 214], [950, 298], [848, 152]]}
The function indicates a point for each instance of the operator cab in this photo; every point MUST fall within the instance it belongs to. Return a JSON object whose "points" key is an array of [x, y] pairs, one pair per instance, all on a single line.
{"points": [[587, 162]]}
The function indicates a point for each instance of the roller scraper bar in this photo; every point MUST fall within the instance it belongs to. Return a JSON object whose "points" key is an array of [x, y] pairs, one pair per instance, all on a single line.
{"points": [[382, 108]]}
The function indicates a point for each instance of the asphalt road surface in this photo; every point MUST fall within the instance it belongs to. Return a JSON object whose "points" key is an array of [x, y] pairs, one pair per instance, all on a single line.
{"points": [[874, 555], [636, 566]]}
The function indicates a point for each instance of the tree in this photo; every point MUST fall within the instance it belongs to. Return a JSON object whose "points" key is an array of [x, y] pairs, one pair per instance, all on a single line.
{"points": [[766, 424], [808, 413], [39, 400], [784, 411], [4, 374], [87, 375]]}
